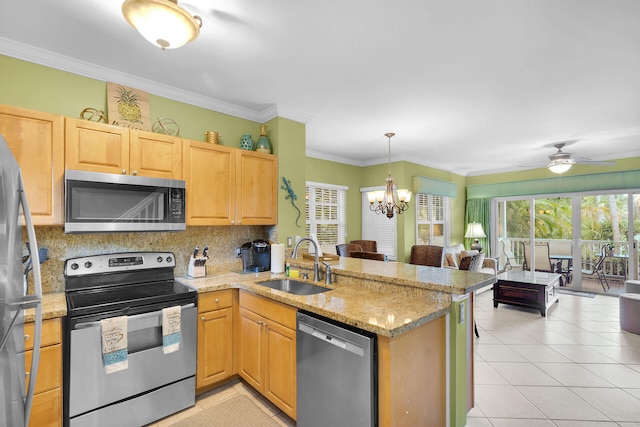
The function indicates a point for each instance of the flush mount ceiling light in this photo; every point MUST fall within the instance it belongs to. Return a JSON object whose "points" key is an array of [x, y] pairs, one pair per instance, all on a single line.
{"points": [[162, 22], [391, 200]]}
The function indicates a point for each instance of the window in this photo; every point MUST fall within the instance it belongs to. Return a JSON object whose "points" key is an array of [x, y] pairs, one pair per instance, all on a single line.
{"points": [[432, 220], [326, 212]]}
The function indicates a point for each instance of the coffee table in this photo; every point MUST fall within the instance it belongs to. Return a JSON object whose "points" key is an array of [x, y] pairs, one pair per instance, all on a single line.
{"points": [[527, 289]]}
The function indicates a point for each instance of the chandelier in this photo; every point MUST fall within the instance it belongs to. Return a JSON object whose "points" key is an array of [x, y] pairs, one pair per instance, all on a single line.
{"points": [[391, 200], [162, 22]]}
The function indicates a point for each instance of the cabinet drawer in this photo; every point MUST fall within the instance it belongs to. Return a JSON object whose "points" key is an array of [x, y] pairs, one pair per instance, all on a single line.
{"points": [[272, 310], [215, 300], [47, 409], [51, 333], [50, 369]]}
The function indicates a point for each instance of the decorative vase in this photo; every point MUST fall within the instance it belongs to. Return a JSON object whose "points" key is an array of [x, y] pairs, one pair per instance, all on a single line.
{"points": [[246, 142], [263, 145]]}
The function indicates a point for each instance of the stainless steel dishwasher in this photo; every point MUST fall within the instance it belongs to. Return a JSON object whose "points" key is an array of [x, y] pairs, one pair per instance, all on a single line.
{"points": [[337, 374]]}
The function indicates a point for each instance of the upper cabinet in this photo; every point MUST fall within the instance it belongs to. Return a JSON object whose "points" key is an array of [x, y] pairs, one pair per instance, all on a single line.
{"points": [[36, 139], [256, 188], [227, 186], [112, 149]]}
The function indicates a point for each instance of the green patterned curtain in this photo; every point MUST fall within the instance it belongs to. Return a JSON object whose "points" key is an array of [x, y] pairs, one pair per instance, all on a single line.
{"points": [[478, 210]]}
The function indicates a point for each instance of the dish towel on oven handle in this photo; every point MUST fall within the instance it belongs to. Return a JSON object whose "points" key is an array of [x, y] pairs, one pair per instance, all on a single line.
{"points": [[114, 344], [171, 319]]}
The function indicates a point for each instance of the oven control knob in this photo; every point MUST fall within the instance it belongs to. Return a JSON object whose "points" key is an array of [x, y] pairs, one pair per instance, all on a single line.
{"points": [[74, 266], [87, 264], [159, 259], [169, 259]]}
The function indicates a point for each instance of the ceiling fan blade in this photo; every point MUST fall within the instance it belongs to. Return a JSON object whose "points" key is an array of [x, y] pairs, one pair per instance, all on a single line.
{"points": [[594, 162]]}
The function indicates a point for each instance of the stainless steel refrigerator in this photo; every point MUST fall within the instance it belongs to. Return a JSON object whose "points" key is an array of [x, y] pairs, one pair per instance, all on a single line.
{"points": [[15, 401]]}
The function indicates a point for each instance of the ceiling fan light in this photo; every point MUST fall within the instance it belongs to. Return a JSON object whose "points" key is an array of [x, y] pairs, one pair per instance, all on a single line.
{"points": [[559, 167], [162, 22]]}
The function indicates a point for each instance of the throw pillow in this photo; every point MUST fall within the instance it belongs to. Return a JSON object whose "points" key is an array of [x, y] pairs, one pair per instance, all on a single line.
{"points": [[448, 261]]}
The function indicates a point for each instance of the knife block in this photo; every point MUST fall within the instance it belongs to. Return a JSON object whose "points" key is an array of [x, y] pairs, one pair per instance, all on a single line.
{"points": [[197, 267]]}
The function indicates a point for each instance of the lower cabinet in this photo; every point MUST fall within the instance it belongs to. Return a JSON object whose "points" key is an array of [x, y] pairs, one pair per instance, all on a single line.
{"points": [[267, 349], [46, 410], [215, 360]]}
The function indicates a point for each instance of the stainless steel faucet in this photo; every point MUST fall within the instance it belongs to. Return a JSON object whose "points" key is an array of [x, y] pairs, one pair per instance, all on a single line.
{"points": [[316, 266], [328, 273]]}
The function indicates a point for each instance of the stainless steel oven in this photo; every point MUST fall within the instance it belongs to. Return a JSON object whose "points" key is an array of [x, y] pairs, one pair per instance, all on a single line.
{"points": [[137, 285], [103, 202]]}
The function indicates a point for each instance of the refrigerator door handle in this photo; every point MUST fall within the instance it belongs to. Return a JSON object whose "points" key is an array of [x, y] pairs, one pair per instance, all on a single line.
{"points": [[37, 281]]}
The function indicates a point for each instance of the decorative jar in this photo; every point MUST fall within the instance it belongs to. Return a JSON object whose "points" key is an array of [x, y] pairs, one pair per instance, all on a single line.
{"points": [[246, 142], [263, 145]]}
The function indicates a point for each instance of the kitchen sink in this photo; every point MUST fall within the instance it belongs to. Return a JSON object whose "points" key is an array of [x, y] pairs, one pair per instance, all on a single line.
{"points": [[295, 287]]}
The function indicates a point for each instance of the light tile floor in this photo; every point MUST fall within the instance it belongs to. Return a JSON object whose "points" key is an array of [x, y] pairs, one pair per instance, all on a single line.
{"points": [[231, 389], [575, 367]]}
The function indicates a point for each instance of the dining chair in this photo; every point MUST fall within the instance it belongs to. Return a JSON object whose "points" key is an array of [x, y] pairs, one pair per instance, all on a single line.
{"points": [[376, 256], [367, 245], [429, 255], [596, 270], [345, 249]]}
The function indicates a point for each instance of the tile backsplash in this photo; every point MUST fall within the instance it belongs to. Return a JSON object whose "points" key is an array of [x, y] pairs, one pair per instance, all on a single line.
{"points": [[222, 241]]}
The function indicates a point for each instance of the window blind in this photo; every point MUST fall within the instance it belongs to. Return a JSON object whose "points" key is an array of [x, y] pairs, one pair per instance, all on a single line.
{"points": [[326, 208]]}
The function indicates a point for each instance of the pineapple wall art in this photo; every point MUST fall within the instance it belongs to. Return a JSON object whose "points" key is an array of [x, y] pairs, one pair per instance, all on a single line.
{"points": [[128, 107]]}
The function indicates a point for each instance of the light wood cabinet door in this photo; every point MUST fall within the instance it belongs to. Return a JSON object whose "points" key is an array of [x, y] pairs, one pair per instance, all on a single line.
{"points": [[280, 369], [215, 347], [155, 155], [46, 410], [256, 188], [36, 140], [96, 147], [251, 349], [209, 171], [267, 353]]}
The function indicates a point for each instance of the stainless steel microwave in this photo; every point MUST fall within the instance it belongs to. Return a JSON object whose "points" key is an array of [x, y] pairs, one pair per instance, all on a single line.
{"points": [[104, 202]]}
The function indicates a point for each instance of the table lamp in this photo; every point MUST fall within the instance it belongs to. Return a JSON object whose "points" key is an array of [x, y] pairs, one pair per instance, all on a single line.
{"points": [[474, 231]]}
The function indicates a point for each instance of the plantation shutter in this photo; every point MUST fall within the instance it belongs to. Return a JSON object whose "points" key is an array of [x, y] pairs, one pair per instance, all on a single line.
{"points": [[326, 208]]}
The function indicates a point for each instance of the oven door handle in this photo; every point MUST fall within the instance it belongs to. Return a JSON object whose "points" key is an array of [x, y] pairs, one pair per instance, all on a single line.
{"points": [[136, 318]]}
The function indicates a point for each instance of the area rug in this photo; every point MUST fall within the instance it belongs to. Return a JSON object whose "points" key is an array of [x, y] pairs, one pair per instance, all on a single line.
{"points": [[577, 293], [238, 411]]}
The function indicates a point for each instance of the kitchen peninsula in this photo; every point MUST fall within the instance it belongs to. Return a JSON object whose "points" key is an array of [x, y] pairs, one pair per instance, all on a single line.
{"points": [[405, 306]]}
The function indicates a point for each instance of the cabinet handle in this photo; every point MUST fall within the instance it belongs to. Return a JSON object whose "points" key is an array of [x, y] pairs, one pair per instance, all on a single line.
{"points": [[124, 171], [27, 337], [202, 318], [217, 300], [233, 221], [134, 173], [240, 222]]}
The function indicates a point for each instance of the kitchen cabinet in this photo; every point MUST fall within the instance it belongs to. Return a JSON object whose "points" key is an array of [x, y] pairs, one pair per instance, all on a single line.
{"points": [[228, 186], [46, 410], [215, 361], [105, 148], [267, 349], [36, 139]]}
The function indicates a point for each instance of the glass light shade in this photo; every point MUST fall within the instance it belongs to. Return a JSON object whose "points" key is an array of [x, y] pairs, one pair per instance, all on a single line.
{"points": [[162, 22], [371, 195], [560, 167], [404, 195]]}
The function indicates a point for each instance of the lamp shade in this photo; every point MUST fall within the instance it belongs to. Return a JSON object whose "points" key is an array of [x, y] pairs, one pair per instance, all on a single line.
{"points": [[560, 167], [474, 231], [162, 22]]}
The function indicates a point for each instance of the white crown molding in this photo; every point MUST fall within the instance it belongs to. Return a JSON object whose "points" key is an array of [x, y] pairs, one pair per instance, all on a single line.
{"points": [[65, 63]]}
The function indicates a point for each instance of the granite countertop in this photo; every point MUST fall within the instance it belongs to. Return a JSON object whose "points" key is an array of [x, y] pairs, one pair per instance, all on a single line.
{"points": [[386, 298], [54, 305], [383, 313], [449, 280]]}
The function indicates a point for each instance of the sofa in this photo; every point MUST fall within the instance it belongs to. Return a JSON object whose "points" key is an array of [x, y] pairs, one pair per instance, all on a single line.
{"points": [[457, 256]]}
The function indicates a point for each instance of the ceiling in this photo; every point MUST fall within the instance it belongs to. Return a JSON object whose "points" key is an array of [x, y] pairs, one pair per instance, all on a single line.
{"points": [[468, 86]]}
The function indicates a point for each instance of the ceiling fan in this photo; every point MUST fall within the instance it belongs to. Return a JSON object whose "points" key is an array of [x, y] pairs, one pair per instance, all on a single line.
{"points": [[562, 161]]}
